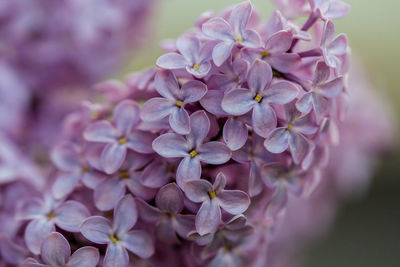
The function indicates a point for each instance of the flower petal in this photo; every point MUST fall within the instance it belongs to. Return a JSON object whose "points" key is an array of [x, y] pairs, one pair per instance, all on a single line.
{"points": [[285, 63], [332, 88], [235, 133], [251, 39], [116, 256], [166, 84], [219, 29], [171, 61], [199, 128], [108, 193], [100, 131], [139, 243], [212, 102], [55, 250], [188, 169], [193, 91], [281, 93], [65, 184], [155, 175], [96, 229], [271, 173], [157, 108], [179, 121], [322, 73], [221, 52], [279, 42], [260, 75], [84, 257], [36, 232], [170, 198], [219, 183], [277, 141], [233, 201], [299, 146], [170, 145], [238, 102], [126, 116], [125, 215], [264, 119], [240, 17], [189, 47], [200, 72], [140, 141], [208, 217], [197, 190], [277, 202], [65, 157], [112, 157], [304, 104], [184, 224], [70, 214], [214, 153]]}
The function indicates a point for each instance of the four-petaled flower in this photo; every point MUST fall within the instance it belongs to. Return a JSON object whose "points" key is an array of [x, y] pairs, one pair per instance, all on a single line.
{"points": [[333, 47], [194, 57], [173, 102], [213, 198], [291, 134], [192, 148], [120, 136], [231, 33], [259, 97], [117, 235], [321, 90]]}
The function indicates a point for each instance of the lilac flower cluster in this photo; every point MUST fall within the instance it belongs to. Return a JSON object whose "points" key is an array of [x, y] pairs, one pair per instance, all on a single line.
{"points": [[196, 162]]}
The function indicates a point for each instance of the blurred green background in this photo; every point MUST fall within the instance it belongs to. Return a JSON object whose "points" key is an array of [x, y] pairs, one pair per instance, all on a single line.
{"points": [[366, 232]]}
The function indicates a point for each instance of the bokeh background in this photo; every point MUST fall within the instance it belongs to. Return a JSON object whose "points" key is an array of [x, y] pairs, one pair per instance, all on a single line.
{"points": [[366, 232]]}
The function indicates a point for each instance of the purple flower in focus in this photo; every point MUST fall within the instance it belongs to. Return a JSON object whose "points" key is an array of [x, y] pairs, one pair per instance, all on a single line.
{"points": [[275, 52], [291, 134], [321, 90], [45, 213], [231, 33], [173, 102], [329, 9], [120, 136], [56, 251], [166, 216], [259, 98], [333, 47], [213, 198], [192, 148], [230, 75], [194, 57], [118, 235]]}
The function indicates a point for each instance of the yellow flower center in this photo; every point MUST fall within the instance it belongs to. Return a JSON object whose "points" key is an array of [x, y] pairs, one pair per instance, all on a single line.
{"points": [[193, 153], [196, 67], [265, 53], [179, 103], [289, 127], [113, 239], [212, 194], [51, 215], [239, 39], [122, 140], [124, 175], [258, 98]]}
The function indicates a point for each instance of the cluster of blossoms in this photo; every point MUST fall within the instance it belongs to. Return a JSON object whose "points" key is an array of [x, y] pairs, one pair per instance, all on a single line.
{"points": [[48, 47], [214, 158]]}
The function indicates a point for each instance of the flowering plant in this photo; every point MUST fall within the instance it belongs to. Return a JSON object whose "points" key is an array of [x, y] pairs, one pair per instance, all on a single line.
{"points": [[197, 161]]}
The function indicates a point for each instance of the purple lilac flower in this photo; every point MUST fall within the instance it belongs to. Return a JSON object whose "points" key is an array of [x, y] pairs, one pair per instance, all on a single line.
{"points": [[56, 251], [167, 214], [230, 75], [118, 235], [321, 91], [292, 134], [173, 102], [192, 148], [214, 197], [231, 33], [119, 137], [333, 47], [194, 57], [45, 214], [259, 97], [275, 52]]}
